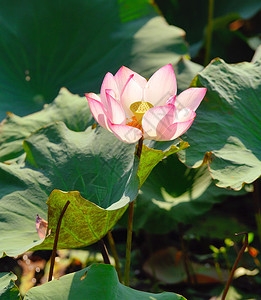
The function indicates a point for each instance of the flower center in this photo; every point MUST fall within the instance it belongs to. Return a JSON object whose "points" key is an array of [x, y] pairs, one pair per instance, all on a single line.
{"points": [[139, 108]]}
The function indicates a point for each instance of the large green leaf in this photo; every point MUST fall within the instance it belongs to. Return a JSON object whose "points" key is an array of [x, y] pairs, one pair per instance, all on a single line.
{"points": [[226, 131], [154, 152], [175, 194], [94, 163], [8, 289], [71, 109], [45, 45], [94, 283], [185, 71]]}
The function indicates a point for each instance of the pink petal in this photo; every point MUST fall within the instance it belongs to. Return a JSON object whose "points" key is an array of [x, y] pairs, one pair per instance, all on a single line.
{"points": [[161, 86], [122, 76], [175, 130], [97, 110], [157, 119], [41, 226], [114, 109], [183, 121], [125, 133], [184, 115], [109, 83], [131, 93], [190, 98]]}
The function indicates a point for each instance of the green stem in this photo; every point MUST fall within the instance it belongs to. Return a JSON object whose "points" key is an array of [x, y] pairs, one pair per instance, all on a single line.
{"points": [[56, 241], [245, 245], [209, 31], [129, 229], [115, 255]]}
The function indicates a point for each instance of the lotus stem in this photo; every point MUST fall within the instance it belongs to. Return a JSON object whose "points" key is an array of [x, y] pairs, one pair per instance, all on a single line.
{"points": [[191, 278], [242, 250], [115, 255], [129, 229], [56, 240], [209, 31], [256, 197], [104, 252]]}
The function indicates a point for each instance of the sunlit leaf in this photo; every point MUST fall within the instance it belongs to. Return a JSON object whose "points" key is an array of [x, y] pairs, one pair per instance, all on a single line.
{"points": [[96, 282], [8, 289], [71, 109], [94, 163], [175, 194], [226, 131]]}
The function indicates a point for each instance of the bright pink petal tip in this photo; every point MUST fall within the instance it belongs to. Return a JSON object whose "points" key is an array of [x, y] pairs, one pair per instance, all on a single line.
{"points": [[124, 74], [98, 112], [109, 83], [115, 111]]}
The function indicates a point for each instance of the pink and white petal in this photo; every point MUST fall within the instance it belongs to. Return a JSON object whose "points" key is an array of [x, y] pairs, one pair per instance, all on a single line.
{"points": [[191, 98], [161, 86], [109, 83], [98, 112], [93, 96], [171, 100], [115, 111], [175, 130], [184, 115], [157, 119], [41, 226], [125, 133], [131, 93], [123, 75]]}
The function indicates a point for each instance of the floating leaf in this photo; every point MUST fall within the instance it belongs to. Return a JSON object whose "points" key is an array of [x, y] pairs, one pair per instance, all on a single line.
{"points": [[94, 163], [226, 131], [96, 282]]}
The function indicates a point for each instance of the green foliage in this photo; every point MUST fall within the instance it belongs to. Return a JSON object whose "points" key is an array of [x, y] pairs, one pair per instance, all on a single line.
{"points": [[185, 71], [93, 162], [226, 131], [71, 109], [175, 194], [8, 289], [192, 16], [154, 153], [46, 45], [93, 283]]}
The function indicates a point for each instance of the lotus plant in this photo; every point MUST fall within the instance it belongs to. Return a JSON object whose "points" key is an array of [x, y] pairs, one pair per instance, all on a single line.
{"points": [[131, 107]]}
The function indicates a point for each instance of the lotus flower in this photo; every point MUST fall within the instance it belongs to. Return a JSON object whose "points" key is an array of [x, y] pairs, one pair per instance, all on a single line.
{"points": [[131, 107]]}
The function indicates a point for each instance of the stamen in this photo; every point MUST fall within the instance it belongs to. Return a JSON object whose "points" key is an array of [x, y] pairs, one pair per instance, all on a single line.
{"points": [[135, 123]]}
